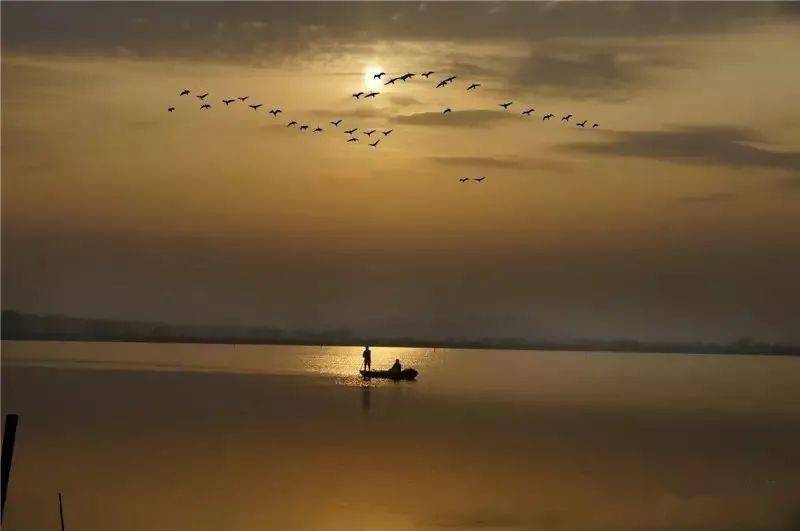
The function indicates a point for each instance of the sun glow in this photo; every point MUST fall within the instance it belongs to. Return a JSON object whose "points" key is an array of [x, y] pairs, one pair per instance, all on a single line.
{"points": [[369, 77]]}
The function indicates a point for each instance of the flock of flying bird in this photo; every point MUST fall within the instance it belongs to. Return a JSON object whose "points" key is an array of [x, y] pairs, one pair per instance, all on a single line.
{"points": [[372, 94]]}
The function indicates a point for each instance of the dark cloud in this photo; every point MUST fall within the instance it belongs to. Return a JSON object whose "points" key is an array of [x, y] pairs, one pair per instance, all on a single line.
{"points": [[474, 118], [504, 163], [723, 146]]}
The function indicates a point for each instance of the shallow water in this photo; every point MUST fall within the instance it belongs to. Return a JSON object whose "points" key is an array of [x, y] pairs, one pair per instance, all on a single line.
{"points": [[180, 437]]}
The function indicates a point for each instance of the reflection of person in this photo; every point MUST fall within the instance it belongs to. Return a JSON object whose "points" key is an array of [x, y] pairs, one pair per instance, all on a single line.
{"points": [[367, 358], [396, 367]]}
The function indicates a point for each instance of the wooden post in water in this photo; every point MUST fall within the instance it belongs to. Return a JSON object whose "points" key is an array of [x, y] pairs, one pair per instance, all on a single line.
{"points": [[61, 511], [9, 434]]}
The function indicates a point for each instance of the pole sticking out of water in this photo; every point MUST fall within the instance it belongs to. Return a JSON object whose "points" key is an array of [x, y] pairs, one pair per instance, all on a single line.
{"points": [[61, 511], [9, 434]]}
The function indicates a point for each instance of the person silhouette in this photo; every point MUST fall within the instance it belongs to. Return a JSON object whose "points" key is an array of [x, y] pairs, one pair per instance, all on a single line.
{"points": [[367, 358], [396, 367]]}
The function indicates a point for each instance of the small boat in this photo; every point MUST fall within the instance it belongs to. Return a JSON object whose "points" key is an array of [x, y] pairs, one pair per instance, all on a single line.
{"points": [[405, 374]]}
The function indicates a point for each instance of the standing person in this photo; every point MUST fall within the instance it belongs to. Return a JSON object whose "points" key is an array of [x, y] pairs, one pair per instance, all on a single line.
{"points": [[367, 358]]}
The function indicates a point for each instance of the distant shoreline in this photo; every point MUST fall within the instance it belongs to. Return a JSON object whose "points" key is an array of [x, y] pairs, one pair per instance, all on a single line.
{"points": [[18, 326]]}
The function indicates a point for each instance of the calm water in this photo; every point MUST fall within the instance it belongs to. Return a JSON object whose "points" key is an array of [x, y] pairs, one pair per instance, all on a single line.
{"points": [[202, 437]]}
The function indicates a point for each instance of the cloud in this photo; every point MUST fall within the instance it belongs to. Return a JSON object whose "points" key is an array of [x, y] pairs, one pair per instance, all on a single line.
{"points": [[353, 113], [403, 101], [504, 163], [715, 197], [474, 118], [718, 146]]}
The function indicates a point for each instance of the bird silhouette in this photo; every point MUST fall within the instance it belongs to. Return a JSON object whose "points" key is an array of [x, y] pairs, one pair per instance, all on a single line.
{"points": [[170, 109], [473, 86], [205, 106], [528, 112], [506, 105], [303, 127], [275, 112], [185, 92], [369, 133], [478, 179], [449, 79], [426, 74], [595, 125], [547, 116], [336, 123], [441, 84], [407, 76], [375, 144], [358, 94], [372, 94], [255, 106], [447, 110], [227, 102], [291, 123], [202, 96], [566, 118], [391, 81], [582, 124], [463, 179], [351, 131], [387, 133], [378, 75], [318, 129], [354, 139], [242, 98]]}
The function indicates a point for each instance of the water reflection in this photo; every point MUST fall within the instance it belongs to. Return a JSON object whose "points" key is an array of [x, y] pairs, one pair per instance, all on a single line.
{"points": [[366, 390]]}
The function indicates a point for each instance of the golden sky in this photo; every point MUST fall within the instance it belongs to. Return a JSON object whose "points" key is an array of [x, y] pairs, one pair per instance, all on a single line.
{"points": [[678, 218]]}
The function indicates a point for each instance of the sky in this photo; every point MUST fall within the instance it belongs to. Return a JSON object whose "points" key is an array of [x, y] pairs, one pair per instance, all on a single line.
{"points": [[677, 218]]}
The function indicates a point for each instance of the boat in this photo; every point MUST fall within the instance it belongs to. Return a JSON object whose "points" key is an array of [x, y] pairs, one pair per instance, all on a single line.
{"points": [[405, 374]]}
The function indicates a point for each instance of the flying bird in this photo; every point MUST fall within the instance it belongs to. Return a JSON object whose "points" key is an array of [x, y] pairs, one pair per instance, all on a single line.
{"points": [[291, 123], [582, 124], [473, 86], [595, 125], [317, 130], [170, 109], [227, 102], [351, 131], [478, 179], [426, 74], [387, 133], [185, 92], [358, 95], [336, 122], [375, 144], [378, 75], [255, 106], [506, 105], [447, 110], [205, 106], [242, 98], [372, 94], [354, 139], [202, 96], [566, 118], [463, 179], [303, 127], [369, 133], [407, 76], [528, 112], [391, 81], [441, 84], [275, 112], [449, 79], [547, 116]]}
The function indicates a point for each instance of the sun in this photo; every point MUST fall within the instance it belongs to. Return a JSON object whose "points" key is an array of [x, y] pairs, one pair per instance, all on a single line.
{"points": [[369, 77]]}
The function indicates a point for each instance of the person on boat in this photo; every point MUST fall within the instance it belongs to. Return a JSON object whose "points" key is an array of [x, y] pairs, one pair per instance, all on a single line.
{"points": [[367, 358], [396, 367]]}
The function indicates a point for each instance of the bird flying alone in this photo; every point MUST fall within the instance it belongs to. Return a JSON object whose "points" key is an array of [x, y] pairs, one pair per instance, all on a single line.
{"points": [[227, 102], [185, 92], [463, 179], [547, 116], [595, 125], [205, 106], [202, 96], [427, 74], [372, 94], [449, 79], [354, 139], [358, 95], [391, 81], [351, 131], [566, 118], [378, 75], [291, 123], [303, 127], [336, 123], [170, 109], [506, 105], [582, 124], [447, 110], [407, 76], [473, 86], [527, 112], [375, 144], [441, 84], [255, 106], [275, 112], [478, 179], [317, 129], [387, 133], [242, 98], [369, 133]]}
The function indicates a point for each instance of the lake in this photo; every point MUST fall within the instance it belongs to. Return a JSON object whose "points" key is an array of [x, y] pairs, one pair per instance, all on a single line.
{"points": [[207, 437]]}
